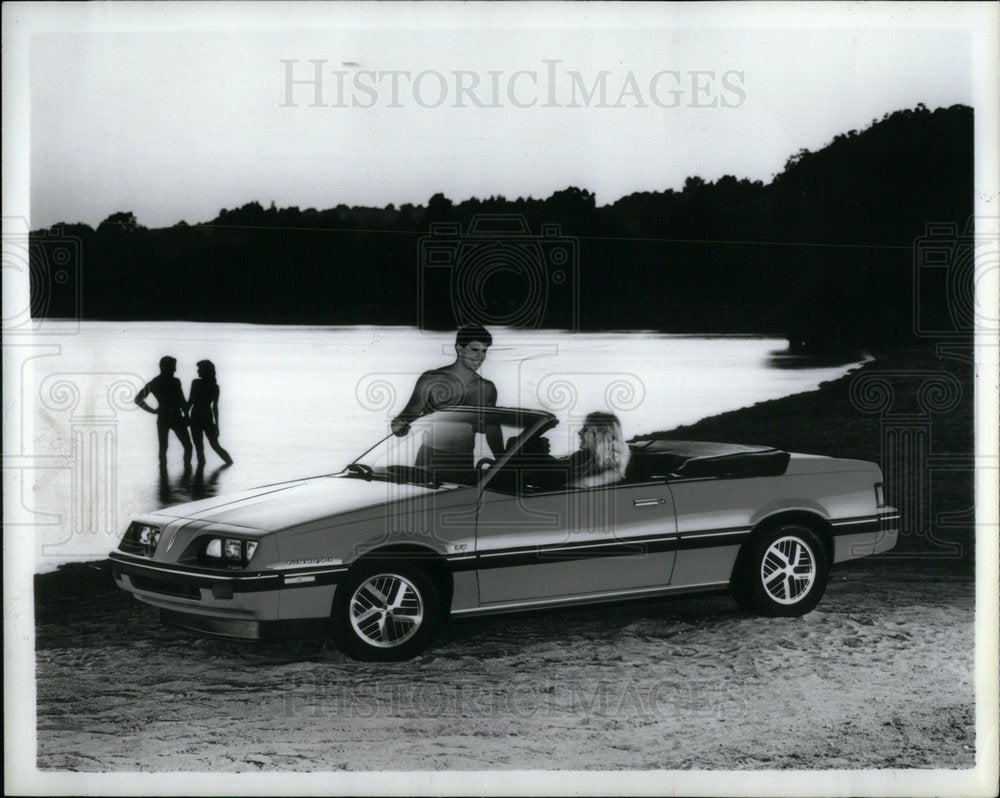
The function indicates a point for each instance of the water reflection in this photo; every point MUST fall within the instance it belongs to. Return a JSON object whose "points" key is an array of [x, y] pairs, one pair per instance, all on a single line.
{"points": [[793, 359], [191, 485], [659, 382]]}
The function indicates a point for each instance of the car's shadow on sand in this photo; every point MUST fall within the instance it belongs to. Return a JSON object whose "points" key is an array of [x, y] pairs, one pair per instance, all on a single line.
{"points": [[79, 607]]}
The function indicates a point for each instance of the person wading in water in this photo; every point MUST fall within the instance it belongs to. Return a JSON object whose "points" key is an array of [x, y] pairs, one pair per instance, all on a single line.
{"points": [[170, 410], [203, 405]]}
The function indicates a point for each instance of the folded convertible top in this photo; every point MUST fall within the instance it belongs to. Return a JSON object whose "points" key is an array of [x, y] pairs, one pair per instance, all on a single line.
{"points": [[658, 459]]}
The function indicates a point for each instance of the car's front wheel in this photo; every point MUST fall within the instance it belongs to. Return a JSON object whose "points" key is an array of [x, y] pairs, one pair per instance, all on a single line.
{"points": [[784, 572], [386, 611]]}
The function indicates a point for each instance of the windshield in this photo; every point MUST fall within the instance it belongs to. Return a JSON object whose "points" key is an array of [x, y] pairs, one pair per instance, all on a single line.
{"points": [[449, 446]]}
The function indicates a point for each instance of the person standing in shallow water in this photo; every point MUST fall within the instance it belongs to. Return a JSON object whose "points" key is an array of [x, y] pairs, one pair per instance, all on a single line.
{"points": [[170, 410], [203, 405]]}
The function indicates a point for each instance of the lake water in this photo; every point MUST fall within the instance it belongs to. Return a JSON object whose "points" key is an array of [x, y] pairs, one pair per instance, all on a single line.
{"points": [[300, 401]]}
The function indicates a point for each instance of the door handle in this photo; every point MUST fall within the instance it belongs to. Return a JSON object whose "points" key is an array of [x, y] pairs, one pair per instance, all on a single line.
{"points": [[646, 502]]}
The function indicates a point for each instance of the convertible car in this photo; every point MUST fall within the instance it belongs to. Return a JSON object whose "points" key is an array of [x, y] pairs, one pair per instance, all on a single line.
{"points": [[429, 524]]}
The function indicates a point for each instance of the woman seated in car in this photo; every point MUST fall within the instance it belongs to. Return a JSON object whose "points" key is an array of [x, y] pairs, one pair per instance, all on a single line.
{"points": [[603, 454]]}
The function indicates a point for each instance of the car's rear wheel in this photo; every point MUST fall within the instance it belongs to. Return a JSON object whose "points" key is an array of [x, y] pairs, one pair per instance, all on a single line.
{"points": [[386, 610], [783, 573]]}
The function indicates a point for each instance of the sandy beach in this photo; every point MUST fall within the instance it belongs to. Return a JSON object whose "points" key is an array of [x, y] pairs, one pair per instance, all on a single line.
{"points": [[879, 676]]}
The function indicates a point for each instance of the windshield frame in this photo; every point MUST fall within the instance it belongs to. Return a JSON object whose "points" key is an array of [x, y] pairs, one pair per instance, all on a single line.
{"points": [[533, 422]]}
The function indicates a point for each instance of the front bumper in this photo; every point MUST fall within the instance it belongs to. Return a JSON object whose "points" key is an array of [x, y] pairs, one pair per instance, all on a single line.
{"points": [[249, 605], [247, 629]]}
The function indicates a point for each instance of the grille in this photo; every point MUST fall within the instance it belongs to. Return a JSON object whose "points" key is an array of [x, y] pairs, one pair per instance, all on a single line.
{"points": [[154, 585]]}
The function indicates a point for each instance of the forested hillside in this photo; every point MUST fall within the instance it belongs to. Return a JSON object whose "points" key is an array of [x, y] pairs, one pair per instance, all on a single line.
{"points": [[829, 253]]}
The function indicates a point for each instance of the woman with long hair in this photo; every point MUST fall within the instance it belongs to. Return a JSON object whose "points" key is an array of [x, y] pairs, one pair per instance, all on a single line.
{"points": [[603, 455], [203, 407]]}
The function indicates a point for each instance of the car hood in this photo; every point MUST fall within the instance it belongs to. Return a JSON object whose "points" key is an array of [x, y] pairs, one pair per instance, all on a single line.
{"points": [[287, 504]]}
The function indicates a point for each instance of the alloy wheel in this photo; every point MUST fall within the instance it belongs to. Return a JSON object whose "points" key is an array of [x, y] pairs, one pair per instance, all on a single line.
{"points": [[788, 570], [386, 610]]}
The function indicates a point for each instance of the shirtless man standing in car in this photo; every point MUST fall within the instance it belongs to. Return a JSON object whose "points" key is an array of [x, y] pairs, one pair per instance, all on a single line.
{"points": [[456, 384]]}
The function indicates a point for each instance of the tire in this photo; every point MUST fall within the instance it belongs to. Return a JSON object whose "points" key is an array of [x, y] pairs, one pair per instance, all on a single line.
{"points": [[386, 611], [784, 572]]}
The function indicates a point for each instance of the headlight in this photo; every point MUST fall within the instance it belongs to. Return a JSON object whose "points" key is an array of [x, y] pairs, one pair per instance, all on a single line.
{"points": [[140, 539], [879, 495], [230, 550], [149, 535]]}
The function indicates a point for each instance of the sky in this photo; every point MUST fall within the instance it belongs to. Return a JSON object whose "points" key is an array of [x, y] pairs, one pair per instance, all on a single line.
{"points": [[175, 118]]}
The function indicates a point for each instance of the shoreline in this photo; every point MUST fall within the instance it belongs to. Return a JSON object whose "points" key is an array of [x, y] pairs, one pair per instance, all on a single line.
{"points": [[825, 421], [327, 416], [829, 416], [864, 415]]}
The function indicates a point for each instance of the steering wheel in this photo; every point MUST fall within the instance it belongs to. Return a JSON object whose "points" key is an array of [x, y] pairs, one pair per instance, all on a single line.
{"points": [[485, 463]]}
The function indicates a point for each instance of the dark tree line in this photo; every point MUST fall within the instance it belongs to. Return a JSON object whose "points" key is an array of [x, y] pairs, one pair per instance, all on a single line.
{"points": [[824, 254]]}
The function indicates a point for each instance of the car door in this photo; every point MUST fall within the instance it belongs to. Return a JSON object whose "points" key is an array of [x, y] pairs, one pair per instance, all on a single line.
{"points": [[713, 521], [556, 544]]}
